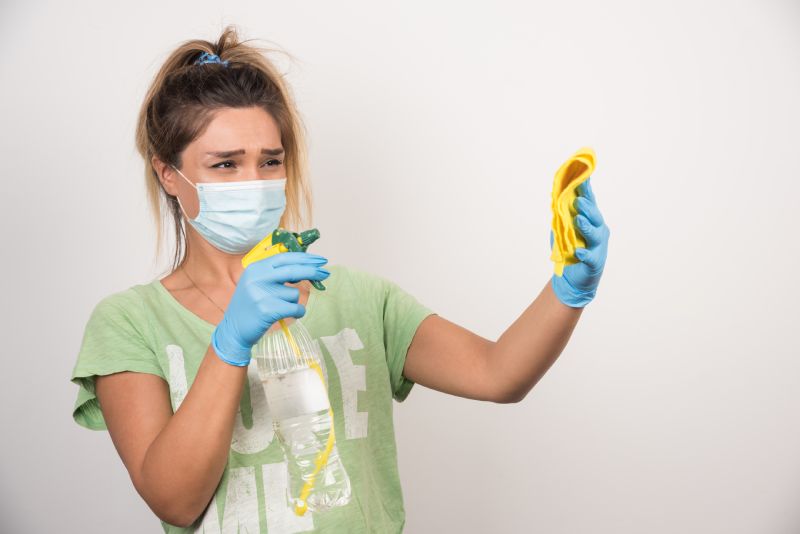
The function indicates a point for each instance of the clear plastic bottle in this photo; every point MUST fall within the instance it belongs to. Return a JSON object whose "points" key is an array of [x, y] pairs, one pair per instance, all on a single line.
{"points": [[297, 396]]}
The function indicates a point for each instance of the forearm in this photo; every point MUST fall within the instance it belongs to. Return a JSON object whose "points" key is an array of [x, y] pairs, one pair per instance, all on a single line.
{"points": [[184, 464], [527, 349]]}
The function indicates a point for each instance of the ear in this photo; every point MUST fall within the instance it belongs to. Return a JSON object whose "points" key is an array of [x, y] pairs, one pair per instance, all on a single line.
{"points": [[166, 175]]}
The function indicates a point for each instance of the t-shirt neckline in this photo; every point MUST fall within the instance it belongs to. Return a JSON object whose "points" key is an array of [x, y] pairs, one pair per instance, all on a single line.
{"points": [[186, 312]]}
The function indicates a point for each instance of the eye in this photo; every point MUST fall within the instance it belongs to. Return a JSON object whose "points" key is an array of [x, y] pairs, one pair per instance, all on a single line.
{"points": [[217, 166], [221, 163]]}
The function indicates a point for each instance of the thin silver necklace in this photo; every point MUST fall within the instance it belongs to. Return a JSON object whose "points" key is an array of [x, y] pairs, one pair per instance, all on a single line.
{"points": [[200, 290]]}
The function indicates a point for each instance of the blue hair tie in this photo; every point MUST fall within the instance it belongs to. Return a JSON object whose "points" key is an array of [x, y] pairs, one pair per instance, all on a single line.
{"points": [[210, 58]]}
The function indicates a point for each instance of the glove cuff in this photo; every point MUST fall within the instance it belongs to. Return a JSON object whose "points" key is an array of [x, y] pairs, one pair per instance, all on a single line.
{"points": [[230, 353], [570, 296]]}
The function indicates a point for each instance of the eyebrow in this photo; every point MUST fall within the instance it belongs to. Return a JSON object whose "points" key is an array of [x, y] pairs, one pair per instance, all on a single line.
{"points": [[229, 153]]}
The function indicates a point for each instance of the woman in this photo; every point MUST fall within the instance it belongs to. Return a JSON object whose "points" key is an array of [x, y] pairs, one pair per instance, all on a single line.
{"points": [[166, 366]]}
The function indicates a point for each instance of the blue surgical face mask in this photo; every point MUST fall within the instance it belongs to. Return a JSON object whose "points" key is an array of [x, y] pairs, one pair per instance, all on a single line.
{"points": [[235, 216]]}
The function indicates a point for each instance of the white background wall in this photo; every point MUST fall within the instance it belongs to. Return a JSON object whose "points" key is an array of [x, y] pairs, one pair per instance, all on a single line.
{"points": [[674, 406]]}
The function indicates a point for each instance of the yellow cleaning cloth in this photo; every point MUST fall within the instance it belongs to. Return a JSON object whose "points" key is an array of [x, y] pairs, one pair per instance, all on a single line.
{"points": [[566, 238]]}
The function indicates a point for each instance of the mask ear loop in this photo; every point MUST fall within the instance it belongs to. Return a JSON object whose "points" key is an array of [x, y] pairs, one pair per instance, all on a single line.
{"points": [[177, 197]]}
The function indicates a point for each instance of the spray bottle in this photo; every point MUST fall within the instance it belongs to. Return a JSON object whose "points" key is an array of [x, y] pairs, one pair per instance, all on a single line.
{"points": [[297, 395]]}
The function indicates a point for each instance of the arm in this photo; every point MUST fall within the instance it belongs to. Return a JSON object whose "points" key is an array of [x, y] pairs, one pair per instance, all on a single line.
{"points": [[449, 358], [530, 346], [175, 461]]}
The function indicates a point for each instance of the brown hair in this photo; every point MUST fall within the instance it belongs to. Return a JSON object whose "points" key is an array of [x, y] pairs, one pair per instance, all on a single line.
{"points": [[180, 104]]}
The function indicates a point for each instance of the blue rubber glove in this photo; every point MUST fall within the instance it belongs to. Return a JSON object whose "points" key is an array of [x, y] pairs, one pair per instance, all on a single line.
{"points": [[578, 284], [260, 300]]}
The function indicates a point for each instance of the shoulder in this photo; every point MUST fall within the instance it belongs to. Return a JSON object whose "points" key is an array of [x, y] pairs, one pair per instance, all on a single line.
{"points": [[126, 304]]}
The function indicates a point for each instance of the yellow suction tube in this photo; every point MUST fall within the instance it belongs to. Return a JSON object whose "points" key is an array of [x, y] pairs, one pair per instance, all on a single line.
{"points": [[263, 250]]}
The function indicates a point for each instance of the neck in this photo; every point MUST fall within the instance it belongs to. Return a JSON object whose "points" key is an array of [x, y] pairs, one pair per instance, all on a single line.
{"points": [[209, 266]]}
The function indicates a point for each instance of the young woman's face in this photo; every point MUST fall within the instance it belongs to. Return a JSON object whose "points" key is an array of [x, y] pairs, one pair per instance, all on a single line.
{"points": [[239, 144]]}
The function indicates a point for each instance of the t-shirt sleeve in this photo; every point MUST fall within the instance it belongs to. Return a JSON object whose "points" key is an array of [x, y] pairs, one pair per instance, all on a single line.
{"points": [[114, 340], [402, 314]]}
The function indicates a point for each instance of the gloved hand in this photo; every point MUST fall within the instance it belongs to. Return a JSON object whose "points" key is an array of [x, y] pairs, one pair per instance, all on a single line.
{"points": [[578, 284], [260, 300]]}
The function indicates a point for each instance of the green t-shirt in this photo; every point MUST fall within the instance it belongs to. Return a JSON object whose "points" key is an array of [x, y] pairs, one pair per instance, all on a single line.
{"points": [[363, 325]]}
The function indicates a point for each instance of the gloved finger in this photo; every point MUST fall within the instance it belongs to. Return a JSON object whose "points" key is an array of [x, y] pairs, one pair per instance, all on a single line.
{"points": [[264, 269], [289, 258], [585, 189], [296, 272], [590, 233], [282, 310], [589, 209], [285, 293], [590, 257]]}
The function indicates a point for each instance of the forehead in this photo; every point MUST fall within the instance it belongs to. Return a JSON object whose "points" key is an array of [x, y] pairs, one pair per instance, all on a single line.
{"points": [[234, 128]]}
